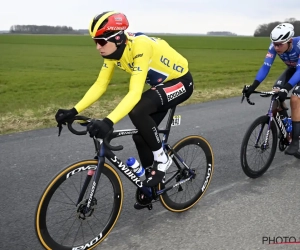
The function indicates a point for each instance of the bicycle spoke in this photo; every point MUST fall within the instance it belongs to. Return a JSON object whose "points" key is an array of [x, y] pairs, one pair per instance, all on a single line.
{"points": [[257, 153], [71, 225]]}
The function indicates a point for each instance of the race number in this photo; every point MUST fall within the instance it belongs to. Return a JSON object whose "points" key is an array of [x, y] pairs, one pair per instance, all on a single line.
{"points": [[176, 120]]}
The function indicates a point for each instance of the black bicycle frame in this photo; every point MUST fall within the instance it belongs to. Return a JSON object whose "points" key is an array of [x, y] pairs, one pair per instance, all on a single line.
{"points": [[102, 152], [277, 120]]}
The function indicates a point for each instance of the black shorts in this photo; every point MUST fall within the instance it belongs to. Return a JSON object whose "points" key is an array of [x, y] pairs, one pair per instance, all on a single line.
{"points": [[284, 78], [171, 93]]}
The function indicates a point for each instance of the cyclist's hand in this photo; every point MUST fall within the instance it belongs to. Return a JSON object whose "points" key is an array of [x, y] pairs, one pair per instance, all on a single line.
{"points": [[249, 90], [63, 115], [282, 94], [99, 129]]}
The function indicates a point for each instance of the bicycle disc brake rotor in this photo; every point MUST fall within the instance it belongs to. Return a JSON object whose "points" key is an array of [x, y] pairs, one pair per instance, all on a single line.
{"points": [[185, 174], [83, 212]]}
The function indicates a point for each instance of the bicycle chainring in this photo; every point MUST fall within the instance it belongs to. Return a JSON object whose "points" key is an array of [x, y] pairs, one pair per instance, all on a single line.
{"points": [[282, 145], [141, 198]]}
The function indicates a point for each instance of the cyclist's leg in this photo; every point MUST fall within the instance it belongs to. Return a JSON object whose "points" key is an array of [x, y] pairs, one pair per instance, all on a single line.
{"points": [[295, 106], [146, 156], [144, 151], [280, 82], [159, 99]]}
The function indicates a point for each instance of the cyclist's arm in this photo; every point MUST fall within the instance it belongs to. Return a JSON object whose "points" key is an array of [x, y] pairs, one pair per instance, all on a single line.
{"points": [[265, 68], [296, 76], [98, 88], [137, 81]]}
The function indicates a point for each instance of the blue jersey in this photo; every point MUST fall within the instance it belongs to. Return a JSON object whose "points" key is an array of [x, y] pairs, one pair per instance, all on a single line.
{"points": [[291, 59]]}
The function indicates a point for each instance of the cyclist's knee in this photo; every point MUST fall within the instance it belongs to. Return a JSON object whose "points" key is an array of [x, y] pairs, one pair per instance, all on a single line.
{"points": [[136, 113], [296, 92], [278, 84], [133, 113]]}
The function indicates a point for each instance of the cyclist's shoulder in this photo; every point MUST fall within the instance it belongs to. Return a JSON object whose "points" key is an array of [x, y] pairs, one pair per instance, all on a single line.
{"points": [[296, 43], [271, 48], [142, 39], [296, 38], [140, 36]]}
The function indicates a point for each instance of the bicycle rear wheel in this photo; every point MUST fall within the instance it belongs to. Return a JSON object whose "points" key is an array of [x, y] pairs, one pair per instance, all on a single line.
{"points": [[297, 155], [255, 159], [60, 224], [197, 153]]}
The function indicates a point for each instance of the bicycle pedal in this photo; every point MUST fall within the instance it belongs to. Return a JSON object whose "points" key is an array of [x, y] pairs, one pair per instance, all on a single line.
{"points": [[140, 206]]}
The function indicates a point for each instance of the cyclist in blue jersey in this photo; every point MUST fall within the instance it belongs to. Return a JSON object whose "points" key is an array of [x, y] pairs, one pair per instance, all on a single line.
{"points": [[287, 48]]}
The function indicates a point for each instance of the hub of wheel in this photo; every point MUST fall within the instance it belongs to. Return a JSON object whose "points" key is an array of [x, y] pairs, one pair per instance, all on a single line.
{"points": [[83, 212]]}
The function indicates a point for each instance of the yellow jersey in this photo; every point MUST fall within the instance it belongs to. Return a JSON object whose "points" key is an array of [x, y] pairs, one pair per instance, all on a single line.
{"points": [[149, 60]]}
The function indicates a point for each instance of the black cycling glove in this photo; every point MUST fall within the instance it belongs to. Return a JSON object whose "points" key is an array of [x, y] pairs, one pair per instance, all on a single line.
{"points": [[283, 92], [63, 115], [99, 128], [248, 91]]}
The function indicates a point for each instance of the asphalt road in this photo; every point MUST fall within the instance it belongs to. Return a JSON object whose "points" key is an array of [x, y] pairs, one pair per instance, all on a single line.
{"points": [[235, 213]]}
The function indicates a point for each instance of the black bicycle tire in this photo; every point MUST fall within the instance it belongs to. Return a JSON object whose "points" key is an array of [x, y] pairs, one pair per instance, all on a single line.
{"points": [[243, 156], [40, 214], [204, 144], [297, 155]]}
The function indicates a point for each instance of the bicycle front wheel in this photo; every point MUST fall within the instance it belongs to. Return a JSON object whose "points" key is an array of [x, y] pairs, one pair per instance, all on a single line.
{"points": [[61, 224], [197, 154], [256, 156]]}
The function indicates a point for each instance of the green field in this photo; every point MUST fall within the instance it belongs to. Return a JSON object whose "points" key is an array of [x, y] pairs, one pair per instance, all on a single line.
{"points": [[41, 73]]}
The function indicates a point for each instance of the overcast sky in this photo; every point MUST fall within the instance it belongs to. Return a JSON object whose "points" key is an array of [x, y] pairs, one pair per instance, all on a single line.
{"points": [[174, 16]]}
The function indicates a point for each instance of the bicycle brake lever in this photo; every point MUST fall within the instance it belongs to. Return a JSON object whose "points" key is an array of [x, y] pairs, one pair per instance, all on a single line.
{"points": [[243, 98], [60, 127], [243, 92]]}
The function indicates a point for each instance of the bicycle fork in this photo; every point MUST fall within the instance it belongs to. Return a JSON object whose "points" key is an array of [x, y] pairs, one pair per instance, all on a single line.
{"points": [[266, 142], [270, 115], [91, 173]]}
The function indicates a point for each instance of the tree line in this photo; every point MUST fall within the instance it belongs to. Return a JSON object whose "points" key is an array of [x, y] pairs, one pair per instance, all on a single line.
{"points": [[262, 30], [220, 33], [42, 29], [265, 29]]}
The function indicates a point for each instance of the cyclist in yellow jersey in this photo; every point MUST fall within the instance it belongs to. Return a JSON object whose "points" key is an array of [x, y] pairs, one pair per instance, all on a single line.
{"points": [[148, 60]]}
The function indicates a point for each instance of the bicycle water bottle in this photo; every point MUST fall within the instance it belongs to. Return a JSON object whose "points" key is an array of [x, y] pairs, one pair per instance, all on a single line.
{"points": [[287, 121], [289, 125], [135, 166]]}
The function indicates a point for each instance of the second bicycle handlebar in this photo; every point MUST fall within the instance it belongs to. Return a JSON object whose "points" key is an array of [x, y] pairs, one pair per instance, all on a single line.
{"points": [[262, 94]]}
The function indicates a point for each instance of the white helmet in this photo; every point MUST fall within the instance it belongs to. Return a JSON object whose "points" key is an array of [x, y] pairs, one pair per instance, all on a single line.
{"points": [[282, 33]]}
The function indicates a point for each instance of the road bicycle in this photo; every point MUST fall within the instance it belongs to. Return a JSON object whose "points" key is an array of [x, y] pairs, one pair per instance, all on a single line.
{"points": [[82, 203], [260, 140]]}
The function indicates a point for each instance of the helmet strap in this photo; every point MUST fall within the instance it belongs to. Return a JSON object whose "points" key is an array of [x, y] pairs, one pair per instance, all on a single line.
{"points": [[289, 47]]}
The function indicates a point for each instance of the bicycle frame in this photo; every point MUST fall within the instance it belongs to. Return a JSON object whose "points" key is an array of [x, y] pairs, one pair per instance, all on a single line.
{"points": [[271, 112], [278, 122], [103, 152]]}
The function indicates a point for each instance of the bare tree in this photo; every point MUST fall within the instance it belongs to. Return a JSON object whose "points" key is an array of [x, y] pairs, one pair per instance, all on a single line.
{"points": [[265, 29]]}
